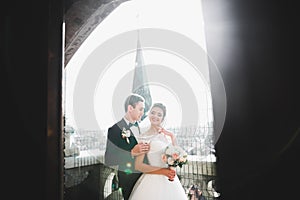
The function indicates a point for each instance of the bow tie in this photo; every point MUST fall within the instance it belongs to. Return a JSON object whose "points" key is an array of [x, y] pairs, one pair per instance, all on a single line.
{"points": [[133, 124]]}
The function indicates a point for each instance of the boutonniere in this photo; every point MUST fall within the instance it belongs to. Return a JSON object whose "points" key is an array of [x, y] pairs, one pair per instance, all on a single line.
{"points": [[126, 134]]}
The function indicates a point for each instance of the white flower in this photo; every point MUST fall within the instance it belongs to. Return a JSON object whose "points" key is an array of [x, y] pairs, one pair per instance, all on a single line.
{"points": [[174, 156], [170, 161], [126, 134]]}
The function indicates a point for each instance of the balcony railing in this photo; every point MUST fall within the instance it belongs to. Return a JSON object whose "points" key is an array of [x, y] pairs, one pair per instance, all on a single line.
{"points": [[86, 148]]}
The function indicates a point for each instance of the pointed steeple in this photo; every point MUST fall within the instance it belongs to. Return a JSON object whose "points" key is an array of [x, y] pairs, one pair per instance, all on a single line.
{"points": [[140, 80]]}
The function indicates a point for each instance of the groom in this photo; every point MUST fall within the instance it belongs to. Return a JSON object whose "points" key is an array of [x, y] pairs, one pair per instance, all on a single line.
{"points": [[122, 145]]}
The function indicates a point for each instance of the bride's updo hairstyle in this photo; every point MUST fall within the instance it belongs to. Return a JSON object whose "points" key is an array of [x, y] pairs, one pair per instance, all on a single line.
{"points": [[161, 106]]}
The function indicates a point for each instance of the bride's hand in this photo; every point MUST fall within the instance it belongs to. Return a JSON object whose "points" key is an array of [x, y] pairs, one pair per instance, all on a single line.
{"points": [[168, 133], [164, 131], [170, 173]]}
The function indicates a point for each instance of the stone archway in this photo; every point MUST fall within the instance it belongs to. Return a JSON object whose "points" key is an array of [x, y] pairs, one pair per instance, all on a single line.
{"points": [[81, 18]]}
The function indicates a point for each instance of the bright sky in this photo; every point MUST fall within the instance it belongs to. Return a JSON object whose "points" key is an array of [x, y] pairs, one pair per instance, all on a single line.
{"points": [[174, 15]]}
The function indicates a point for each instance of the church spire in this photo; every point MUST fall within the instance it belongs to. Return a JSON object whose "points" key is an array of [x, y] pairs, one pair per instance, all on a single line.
{"points": [[140, 80]]}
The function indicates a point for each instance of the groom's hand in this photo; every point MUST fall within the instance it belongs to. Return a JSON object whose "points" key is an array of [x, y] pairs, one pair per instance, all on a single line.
{"points": [[140, 148]]}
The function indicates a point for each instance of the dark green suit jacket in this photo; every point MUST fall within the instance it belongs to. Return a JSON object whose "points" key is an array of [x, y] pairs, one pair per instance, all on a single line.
{"points": [[118, 150]]}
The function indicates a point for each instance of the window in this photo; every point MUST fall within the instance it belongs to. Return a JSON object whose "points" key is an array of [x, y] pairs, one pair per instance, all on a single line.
{"points": [[167, 38]]}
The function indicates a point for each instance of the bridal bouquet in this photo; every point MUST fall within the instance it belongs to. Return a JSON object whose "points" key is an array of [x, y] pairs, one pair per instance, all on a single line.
{"points": [[174, 156]]}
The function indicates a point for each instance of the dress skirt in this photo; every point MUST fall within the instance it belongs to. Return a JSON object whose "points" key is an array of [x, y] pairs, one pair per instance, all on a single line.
{"points": [[157, 187]]}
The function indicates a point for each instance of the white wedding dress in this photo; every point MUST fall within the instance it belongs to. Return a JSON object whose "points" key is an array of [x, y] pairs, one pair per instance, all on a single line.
{"points": [[154, 186]]}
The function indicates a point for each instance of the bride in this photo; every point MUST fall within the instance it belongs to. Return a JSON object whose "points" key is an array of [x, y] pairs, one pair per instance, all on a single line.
{"points": [[154, 183]]}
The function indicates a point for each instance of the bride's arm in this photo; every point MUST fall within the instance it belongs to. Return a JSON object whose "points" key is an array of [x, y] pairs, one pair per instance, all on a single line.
{"points": [[145, 168]]}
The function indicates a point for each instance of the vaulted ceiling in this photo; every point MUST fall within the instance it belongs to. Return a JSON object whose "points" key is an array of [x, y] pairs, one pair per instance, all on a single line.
{"points": [[81, 18]]}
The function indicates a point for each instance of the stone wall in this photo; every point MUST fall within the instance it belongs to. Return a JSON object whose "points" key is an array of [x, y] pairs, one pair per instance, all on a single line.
{"points": [[81, 18]]}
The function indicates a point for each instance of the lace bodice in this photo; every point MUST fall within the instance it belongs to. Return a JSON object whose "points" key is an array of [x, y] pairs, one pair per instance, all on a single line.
{"points": [[158, 143]]}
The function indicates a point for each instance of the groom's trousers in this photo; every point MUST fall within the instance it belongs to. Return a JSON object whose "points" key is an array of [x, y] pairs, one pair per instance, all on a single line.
{"points": [[126, 182]]}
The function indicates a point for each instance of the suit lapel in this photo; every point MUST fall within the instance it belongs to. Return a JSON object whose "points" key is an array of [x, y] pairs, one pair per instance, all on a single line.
{"points": [[122, 124]]}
